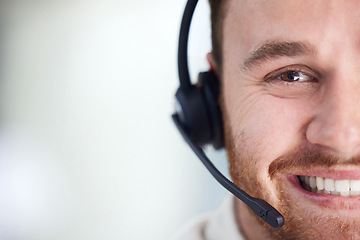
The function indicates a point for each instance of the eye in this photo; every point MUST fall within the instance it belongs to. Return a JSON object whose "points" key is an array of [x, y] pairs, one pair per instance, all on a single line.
{"points": [[292, 81], [294, 76]]}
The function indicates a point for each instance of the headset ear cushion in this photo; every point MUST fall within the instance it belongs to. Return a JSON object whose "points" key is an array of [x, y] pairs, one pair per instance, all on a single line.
{"points": [[199, 110], [193, 114], [210, 86]]}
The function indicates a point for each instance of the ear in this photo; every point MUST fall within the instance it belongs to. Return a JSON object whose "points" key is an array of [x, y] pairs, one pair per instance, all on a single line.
{"points": [[211, 61]]}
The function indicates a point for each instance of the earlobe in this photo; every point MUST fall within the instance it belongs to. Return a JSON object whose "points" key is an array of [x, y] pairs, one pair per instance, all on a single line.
{"points": [[211, 61]]}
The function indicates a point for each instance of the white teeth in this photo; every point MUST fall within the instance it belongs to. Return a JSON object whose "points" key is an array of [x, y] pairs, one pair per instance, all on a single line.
{"points": [[345, 188], [312, 182], [342, 185], [335, 193], [345, 194], [355, 185], [354, 193], [329, 184], [320, 183]]}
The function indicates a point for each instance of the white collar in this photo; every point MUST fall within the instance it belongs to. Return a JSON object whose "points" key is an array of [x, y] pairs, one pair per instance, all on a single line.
{"points": [[223, 225]]}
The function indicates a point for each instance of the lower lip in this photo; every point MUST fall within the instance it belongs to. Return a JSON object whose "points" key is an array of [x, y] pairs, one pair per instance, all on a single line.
{"points": [[325, 200]]}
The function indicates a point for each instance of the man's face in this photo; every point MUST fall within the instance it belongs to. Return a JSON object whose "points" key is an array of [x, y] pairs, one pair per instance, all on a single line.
{"points": [[291, 100]]}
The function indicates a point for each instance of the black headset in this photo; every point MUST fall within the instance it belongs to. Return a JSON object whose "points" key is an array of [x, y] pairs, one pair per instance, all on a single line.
{"points": [[199, 120]]}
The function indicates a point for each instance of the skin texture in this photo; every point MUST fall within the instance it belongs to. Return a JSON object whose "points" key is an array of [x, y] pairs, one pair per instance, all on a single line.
{"points": [[276, 129]]}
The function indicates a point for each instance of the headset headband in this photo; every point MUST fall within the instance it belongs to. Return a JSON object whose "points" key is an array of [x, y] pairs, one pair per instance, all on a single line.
{"points": [[183, 68]]}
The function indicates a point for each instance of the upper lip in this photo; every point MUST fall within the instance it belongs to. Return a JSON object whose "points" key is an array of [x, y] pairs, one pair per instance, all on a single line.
{"points": [[336, 174]]}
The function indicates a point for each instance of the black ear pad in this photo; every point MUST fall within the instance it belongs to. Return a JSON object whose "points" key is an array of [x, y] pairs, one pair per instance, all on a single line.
{"points": [[211, 91], [199, 111]]}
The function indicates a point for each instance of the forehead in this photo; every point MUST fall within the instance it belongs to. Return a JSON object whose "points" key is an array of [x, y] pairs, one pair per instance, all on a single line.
{"points": [[252, 22]]}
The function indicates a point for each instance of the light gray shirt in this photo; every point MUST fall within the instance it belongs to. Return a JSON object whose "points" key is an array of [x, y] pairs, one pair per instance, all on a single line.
{"points": [[218, 225]]}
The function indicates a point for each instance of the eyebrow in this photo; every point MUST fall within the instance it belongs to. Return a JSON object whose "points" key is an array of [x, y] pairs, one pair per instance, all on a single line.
{"points": [[272, 50]]}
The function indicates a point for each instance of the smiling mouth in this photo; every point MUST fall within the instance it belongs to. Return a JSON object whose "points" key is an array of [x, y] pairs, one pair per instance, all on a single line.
{"points": [[345, 187]]}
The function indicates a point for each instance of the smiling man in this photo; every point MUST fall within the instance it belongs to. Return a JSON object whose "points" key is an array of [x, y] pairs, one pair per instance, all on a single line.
{"points": [[290, 97]]}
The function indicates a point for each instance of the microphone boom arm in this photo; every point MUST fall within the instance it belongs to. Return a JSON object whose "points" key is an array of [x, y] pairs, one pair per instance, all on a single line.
{"points": [[260, 207]]}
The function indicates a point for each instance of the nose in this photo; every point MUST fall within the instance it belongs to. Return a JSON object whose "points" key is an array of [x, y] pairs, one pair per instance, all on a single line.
{"points": [[336, 123]]}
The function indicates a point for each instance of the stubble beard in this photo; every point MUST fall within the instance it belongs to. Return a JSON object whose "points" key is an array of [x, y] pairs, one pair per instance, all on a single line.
{"points": [[300, 223]]}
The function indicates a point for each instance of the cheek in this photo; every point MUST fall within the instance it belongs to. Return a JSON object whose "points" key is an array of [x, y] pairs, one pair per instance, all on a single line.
{"points": [[264, 127], [271, 125]]}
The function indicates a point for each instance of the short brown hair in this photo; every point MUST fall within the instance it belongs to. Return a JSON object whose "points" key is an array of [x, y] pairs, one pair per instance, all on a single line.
{"points": [[217, 16]]}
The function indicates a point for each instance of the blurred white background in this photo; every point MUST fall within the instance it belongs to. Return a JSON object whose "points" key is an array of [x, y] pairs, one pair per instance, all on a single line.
{"points": [[87, 147]]}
